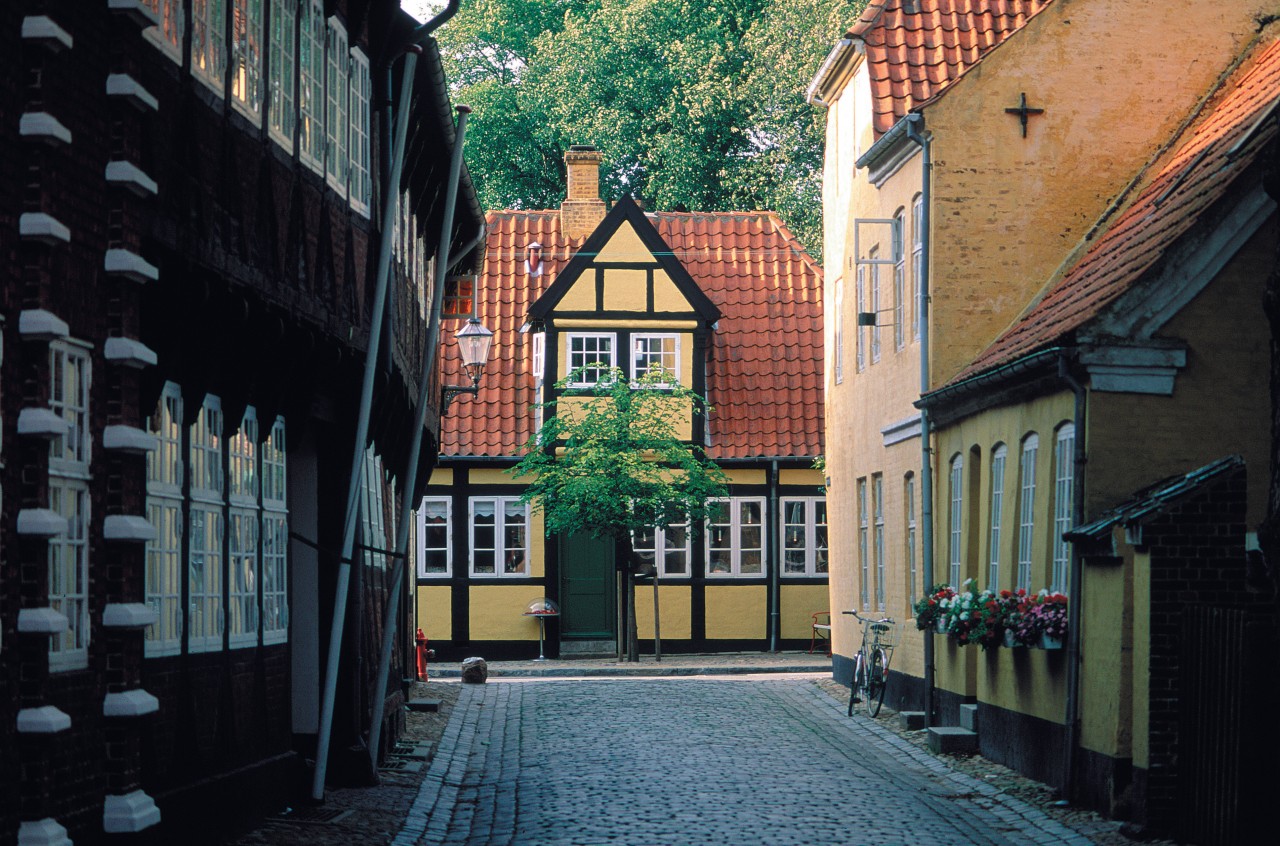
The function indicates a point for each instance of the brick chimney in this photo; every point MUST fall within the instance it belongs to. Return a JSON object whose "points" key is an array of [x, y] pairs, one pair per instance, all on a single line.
{"points": [[582, 210]]}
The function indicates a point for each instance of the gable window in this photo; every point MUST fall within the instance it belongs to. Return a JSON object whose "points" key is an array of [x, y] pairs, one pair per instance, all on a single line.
{"points": [[459, 296], [1026, 508], [735, 537], [957, 519], [864, 584], [209, 42], [804, 536], [838, 333], [205, 535], [361, 158], [1063, 484], [909, 506], [666, 549], [311, 69], [499, 536], [68, 553], [917, 265], [591, 357], [167, 35], [275, 538], [899, 283], [165, 466], [435, 519], [998, 458], [282, 46], [246, 57], [338, 65], [656, 354], [877, 513]]}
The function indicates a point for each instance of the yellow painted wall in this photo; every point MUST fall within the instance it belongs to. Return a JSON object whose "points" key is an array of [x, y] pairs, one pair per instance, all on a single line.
{"points": [[626, 290], [497, 611], [798, 603], [441, 476], [489, 476], [625, 245], [1028, 681], [581, 296], [674, 607], [1141, 659], [800, 477], [736, 611], [666, 296], [1106, 688], [739, 476], [435, 611]]}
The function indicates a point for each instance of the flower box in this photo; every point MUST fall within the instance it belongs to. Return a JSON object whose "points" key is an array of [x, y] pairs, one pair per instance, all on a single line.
{"points": [[1049, 642], [940, 625], [1009, 640]]}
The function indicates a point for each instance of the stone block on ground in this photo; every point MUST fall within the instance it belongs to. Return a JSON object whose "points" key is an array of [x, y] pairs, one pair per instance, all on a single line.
{"points": [[969, 717], [952, 740], [911, 720], [474, 671], [429, 706]]}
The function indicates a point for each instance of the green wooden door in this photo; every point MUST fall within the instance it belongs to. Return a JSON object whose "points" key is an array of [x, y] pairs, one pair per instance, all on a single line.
{"points": [[587, 595]]}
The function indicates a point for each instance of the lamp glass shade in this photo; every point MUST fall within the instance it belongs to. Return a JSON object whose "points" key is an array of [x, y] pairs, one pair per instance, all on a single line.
{"points": [[474, 341]]}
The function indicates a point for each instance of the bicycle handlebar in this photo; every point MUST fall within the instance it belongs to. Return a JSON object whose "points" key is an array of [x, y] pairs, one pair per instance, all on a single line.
{"points": [[868, 619]]}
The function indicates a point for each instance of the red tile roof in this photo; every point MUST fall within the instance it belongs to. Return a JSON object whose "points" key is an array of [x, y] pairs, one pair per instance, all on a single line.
{"points": [[1195, 176], [764, 373], [916, 48]]}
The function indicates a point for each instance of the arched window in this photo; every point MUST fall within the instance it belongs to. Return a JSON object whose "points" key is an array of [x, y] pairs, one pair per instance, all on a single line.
{"points": [[1063, 500], [998, 457], [1026, 507]]}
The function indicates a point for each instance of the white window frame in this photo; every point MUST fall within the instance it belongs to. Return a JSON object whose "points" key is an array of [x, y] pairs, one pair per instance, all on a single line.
{"points": [[1027, 508], [274, 538], [167, 35], [244, 543], [837, 356], [207, 498], [165, 570], [999, 460], [860, 306], [956, 525], [311, 77], [809, 536], [1063, 504], [539, 358], [373, 524], [337, 127], [874, 257], [864, 557], [637, 355], [599, 365], [877, 542], [68, 557], [737, 548], [909, 507], [917, 264], [247, 43], [71, 375], [424, 549], [899, 283], [361, 180], [658, 545], [282, 99], [500, 549], [243, 481], [209, 43]]}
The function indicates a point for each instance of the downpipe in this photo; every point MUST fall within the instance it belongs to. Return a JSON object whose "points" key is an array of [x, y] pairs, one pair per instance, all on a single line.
{"points": [[1075, 582]]}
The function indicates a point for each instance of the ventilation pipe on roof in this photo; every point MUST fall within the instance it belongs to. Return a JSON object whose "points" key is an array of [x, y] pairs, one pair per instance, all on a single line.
{"points": [[915, 123], [389, 200]]}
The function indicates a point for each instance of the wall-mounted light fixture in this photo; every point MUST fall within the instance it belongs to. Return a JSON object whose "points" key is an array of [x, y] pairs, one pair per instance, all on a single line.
{"points": [[474, 341], [868, 318]]}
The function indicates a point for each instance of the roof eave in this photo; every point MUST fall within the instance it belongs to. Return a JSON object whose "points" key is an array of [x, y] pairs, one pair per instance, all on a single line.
{"points": [[835, 72]]}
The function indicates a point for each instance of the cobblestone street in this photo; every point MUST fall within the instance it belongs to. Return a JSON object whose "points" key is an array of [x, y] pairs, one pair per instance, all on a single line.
{"points": [[754, 760]]}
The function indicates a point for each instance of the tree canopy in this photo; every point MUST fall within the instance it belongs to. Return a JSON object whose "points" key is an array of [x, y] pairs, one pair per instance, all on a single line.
{"points": [[697, 105]]}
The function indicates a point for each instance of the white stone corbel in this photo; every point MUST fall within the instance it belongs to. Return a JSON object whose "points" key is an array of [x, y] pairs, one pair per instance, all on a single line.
{"points": [[128, 352], [45, 832], [131, 91], [121, 262], [136, 11], [46, 621], [42, 423], [128, 439], [42, 126], [42, 30], [43, 720], [128, 615], [45, 228], [128, 813], [127, 175], [129, 703], [36, 324], [127, 527], [41, 523]]}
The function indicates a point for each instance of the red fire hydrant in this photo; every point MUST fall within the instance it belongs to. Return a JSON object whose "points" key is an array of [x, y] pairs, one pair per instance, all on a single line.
{"points": [[424, 655]]}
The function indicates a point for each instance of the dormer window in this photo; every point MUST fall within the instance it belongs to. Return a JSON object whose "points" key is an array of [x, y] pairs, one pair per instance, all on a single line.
{"points": [[656, 354], [459, 296], [591, 353]]}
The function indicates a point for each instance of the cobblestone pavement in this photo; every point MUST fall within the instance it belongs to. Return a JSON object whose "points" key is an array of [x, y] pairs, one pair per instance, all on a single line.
{"points": [[744, 760]]}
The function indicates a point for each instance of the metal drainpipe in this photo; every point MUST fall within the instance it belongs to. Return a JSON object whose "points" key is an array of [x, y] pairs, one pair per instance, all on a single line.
{"points": [[407, 504], [1076, 579], [329, 692], [774, 571], [914, 123]]}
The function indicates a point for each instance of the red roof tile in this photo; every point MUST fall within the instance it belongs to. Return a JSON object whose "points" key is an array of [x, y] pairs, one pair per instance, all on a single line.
{"points": [[764, 373], [916, 48], [1189, 182]]}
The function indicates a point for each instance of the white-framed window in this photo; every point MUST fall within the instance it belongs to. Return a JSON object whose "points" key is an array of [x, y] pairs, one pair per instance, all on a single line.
{"points": [[735, 537], [70, 376], [899, 283], [860, 306], [209, 42], [909, 507], [361, 157], [877, 516], [917, 265], [594, 352], [311, 71], [956, 528], [69, 573], [499, 537], [864, 558], [1026, 508], [659, 353], [670, 546], [1063, 504], [999, 458], [246, 58], [874, 256], [242, 577], [282, 45], [164, 575], [167, 35], [804, 536], [275, 537], [538, 358], [335, 119], [837, 355], [373, 528], [435, 537], [205, 521], [242, 462]]}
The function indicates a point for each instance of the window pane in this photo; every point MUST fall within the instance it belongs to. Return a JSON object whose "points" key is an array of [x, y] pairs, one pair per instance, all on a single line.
{"points": [[751, 562]]}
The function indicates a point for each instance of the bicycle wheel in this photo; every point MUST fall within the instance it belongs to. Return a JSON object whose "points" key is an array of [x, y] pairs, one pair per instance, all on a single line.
{"points": [[857, 683], [876, 682]]}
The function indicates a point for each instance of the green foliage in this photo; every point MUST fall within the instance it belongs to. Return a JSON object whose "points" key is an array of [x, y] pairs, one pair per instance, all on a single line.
{"points": [[697, 105], [612, 463]]}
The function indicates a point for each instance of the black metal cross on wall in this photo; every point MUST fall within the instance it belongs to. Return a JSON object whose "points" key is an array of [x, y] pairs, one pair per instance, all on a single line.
{"points": [[1023, 111]]}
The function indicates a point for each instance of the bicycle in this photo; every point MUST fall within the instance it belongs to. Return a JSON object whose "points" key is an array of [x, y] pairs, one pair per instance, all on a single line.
{"points": [[871, 662]]}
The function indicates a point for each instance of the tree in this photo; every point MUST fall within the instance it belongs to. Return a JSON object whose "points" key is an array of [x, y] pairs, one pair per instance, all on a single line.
{"points": [[609, 462]]}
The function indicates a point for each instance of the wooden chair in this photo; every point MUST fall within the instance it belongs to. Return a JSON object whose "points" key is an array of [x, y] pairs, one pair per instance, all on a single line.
{"points": [[821, 631]]}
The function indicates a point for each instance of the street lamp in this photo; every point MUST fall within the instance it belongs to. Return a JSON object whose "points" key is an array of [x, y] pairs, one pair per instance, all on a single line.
{"points": [[474, 341]]}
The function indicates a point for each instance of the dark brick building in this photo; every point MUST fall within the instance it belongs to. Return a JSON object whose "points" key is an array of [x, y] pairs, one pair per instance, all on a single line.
{"points": [[190, 207]]}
